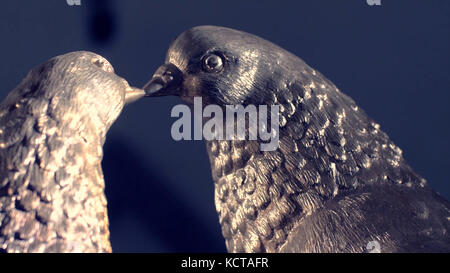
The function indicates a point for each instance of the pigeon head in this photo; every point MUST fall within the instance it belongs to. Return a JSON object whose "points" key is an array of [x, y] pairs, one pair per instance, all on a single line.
{"points": [[100, 97], [222, 65]]}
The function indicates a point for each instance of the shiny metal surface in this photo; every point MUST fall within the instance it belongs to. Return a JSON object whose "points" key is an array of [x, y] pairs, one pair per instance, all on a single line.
{"points": [[336, 183], [52, 129]]}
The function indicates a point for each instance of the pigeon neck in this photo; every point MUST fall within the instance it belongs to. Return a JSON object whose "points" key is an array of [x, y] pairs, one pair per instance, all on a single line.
{"points": [[58, 186], [259, 196]]}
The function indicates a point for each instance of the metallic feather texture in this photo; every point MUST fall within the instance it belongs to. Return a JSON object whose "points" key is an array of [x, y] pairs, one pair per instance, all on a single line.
{"points": [[336, 182], [52, 128]]}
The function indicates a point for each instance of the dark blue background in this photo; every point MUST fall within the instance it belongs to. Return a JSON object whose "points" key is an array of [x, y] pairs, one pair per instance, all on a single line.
{"points": [[393, 60]]}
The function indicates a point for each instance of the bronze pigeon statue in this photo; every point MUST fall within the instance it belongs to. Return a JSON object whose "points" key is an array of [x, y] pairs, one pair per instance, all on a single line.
{"points": [[335, 183], [52, 129]]}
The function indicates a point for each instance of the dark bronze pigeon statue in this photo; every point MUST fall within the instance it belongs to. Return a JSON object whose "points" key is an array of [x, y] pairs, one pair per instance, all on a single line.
{"points": [[335, 183]]}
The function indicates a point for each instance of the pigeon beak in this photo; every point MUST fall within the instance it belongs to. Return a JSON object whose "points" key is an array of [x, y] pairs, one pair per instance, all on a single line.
{"points": [[132, 94], [167, 80]]}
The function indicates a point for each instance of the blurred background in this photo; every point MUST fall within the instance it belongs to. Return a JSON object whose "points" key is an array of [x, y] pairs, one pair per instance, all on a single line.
{"points": [[393, 60]]}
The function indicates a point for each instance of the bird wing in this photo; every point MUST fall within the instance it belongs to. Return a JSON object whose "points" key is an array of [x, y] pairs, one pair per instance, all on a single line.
{"points": [[386, 218], [332, 150]]}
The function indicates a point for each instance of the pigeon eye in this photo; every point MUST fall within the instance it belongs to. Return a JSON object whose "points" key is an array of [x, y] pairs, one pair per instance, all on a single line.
{"points": [[212, 63]]}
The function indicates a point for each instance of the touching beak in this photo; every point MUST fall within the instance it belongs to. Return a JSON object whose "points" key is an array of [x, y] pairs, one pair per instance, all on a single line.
{"points": [[132, 94], [167, 80]]}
